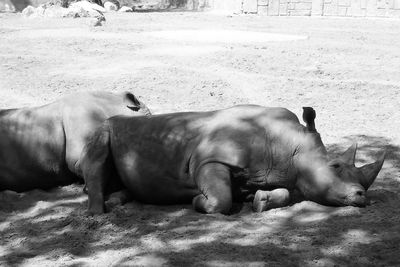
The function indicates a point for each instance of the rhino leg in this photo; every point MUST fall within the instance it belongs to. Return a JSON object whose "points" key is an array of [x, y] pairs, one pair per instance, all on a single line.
{"points": [[266, 200], [94, 163], [214, 181]]}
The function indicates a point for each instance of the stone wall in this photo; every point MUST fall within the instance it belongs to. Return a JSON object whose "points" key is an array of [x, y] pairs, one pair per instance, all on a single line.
{"points": [[346, 8]]}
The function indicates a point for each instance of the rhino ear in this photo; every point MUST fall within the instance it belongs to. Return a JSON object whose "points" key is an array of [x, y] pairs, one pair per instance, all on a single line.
{"points": [[349, 156], [370, 171], [309, 117], [133, 101]]}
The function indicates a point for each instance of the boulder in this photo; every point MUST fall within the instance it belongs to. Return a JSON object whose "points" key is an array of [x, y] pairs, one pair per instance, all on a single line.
{"points": [[28, 11], [76, 10], [88, 6], [125, 9], [110, 6]]}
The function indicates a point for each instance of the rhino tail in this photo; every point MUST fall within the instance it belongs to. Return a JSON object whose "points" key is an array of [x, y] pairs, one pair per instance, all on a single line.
{"points": [[94, 167]]}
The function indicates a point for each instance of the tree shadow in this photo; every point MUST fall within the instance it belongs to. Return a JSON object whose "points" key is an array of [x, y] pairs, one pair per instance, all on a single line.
{"points": [[304, 234], [20, 4]]}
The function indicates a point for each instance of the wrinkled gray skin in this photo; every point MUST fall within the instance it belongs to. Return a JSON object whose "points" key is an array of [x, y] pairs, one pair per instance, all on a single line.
{"points": [[215, 158], [40, 146]]}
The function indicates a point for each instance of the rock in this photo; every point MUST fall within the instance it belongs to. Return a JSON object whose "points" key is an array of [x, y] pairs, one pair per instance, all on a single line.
{"points": [[110, 6], [28, 11], [125, 9], [76, 10], [39, 12], [55, 12], [88, 6], [74, 13]]}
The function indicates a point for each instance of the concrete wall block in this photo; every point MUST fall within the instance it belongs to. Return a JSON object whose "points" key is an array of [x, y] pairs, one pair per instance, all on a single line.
{"points": [[381, 13], [263, 10], [303, 6], [342, 11], [262, 2], [299, 12], [381, 4], [396, 4], [316, 8], [330, 10], [250, 6], [283, 8], [273, 7], [355, 9], [344, 2], [363, 4], [371, 8], [393, 13]]}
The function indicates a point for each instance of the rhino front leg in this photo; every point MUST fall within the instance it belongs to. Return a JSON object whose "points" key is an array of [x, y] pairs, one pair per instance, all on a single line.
{"points": [[266, 200], [94, 163], [214, 181], [96, 185]]}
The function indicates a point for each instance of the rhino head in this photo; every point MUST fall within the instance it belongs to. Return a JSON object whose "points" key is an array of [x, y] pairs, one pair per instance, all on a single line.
{"points": [[334, 182]]}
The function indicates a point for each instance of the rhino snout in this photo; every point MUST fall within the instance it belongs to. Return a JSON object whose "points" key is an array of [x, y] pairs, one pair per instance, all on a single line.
{"points": [[356, 197]]}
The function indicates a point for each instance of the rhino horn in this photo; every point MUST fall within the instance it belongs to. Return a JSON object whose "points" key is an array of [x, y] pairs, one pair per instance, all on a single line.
{"points": [[370, 171], [349, 156]]}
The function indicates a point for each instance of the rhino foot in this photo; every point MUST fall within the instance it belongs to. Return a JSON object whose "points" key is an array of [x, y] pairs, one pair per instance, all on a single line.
{"points": [[266, 200], [117, 199]]}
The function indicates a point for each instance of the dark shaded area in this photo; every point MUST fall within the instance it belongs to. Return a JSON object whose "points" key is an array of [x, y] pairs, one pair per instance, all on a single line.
{"points": [[292, 242], [20, 4]]}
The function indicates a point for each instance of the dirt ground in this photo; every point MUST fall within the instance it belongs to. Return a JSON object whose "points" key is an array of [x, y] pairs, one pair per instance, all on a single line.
{"points": [[347, 69]]}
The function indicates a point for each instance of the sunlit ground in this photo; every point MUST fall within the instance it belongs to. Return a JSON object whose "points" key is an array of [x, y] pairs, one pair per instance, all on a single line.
{"points": [[347, 69]]}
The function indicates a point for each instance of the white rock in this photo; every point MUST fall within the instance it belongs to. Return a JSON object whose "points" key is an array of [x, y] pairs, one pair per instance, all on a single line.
{"points": [[28, 11], [125, 9], [9, 8], [110, 6], [39, 12], [88, 6], [55, 11]]}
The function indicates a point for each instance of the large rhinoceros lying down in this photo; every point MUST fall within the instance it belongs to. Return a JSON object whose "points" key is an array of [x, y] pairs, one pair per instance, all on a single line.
{"points": [[214, 158], [39, 146]]}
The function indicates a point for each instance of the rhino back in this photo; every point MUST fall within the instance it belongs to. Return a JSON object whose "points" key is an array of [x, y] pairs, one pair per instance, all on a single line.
{"points": [[31, 148]]}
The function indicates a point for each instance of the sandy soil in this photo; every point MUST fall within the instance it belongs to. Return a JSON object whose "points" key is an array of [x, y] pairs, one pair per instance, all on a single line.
{"points": [[347, 69]]}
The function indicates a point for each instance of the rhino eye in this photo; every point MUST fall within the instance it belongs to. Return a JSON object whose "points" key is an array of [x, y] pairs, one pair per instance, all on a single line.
{"points": [[335, 165]]}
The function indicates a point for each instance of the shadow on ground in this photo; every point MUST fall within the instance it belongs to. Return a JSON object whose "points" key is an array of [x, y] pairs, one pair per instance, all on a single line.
{"points": [[53, 227]]}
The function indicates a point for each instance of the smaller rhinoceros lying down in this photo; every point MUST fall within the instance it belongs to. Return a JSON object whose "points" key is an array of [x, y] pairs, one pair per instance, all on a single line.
{"points": [[214, 158], [40, 146]]}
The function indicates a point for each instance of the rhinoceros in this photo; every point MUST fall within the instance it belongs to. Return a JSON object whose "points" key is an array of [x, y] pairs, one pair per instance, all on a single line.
{"points": [[212, 159], [40, 146]]}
